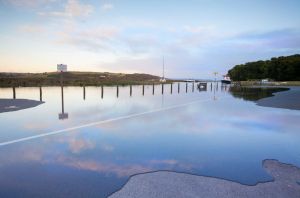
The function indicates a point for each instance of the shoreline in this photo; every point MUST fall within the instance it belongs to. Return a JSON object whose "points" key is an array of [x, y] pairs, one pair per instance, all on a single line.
{"points": [[275, 83], [10, 105]]}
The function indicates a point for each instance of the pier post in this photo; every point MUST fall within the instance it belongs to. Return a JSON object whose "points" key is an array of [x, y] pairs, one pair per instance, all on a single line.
{"points": [[171, 88], [153, 89], [130, 90], [162, 88], [186, 87], [143, 89], [178, 87], [102, 91], [211, 86], [41, 94], [193, 86], [14, 92], [117, 91], [83, 92]]}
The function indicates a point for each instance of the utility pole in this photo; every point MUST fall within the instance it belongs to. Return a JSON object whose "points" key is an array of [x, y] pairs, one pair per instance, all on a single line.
{"points": [[215, 73]]}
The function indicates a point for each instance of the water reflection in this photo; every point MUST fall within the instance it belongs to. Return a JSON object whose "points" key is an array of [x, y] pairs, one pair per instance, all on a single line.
{"points": [[63, 115], [225, 138], [254, 93]]}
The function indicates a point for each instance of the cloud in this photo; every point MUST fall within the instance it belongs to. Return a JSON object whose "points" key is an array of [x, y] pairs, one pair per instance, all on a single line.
{"points": [[197, 29], [77, 145], [28, 3], [107, 6], [104, 38], [276, 39], [123, 170], [73, 8], [32, 29]]}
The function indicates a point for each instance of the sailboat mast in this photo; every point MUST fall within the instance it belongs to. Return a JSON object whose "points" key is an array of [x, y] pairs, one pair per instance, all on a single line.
{"points": [[163, 68]]}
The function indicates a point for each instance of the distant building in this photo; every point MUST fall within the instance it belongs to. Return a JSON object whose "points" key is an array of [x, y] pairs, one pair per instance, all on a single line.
{"points": [[265, 81], [61, 68]]}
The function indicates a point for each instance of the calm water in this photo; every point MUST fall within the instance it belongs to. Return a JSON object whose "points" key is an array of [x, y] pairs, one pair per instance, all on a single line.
{"points": [[209, 133]]}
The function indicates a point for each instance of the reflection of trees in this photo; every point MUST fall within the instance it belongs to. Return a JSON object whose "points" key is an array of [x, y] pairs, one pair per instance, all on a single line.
{"points": [[254, 93]]}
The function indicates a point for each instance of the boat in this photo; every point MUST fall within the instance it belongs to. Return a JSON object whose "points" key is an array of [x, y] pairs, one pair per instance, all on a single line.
{"points": [[202, 86], [226, 80]]}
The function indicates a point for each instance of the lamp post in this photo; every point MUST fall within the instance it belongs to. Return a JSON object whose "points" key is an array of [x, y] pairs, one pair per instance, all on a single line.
{"points": [[215, 73]]}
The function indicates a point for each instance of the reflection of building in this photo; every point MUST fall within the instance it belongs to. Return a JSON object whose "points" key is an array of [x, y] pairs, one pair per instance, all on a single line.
{"points": [[63, 116]]}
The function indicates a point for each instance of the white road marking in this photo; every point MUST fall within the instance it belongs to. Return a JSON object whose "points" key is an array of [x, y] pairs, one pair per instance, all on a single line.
{"points": [[100, 122]]}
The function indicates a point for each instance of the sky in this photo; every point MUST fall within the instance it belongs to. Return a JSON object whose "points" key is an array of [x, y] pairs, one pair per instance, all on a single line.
{"points": [[195, 37]]}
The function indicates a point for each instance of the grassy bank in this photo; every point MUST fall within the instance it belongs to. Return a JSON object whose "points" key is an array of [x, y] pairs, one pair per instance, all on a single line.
{"points": [[75, 79], [275, 83]]}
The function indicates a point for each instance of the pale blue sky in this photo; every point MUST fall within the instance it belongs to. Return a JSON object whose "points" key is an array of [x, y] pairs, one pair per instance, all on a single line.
{"points": [[197, 37]]}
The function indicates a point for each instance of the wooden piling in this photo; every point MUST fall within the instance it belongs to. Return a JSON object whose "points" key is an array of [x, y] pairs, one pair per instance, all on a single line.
{"points": [[102, 91], [14, 92], [130, 90], [178, 87], [193, 86], [153, 89], [83, 92], [117, 91], [41, 94], [162, 88], [171, 88], [143, 89], [186, 87]]}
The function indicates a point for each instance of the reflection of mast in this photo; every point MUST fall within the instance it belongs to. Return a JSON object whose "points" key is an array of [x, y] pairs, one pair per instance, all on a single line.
{"points": [[162, 100]]}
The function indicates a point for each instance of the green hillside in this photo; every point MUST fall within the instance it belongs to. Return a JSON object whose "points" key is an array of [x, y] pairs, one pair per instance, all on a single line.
{"points": [[74, 79]]}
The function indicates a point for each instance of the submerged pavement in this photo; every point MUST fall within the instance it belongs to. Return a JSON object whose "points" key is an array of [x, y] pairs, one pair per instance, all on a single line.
{"points": [[7, 105], [171, 184]]}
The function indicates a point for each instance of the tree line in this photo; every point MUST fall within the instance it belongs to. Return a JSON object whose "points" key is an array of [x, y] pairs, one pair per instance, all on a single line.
{"points": [[283, 68]]}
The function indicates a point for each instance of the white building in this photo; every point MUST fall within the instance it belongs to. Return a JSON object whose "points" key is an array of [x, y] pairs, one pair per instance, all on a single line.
{"points": [[61, 68]]}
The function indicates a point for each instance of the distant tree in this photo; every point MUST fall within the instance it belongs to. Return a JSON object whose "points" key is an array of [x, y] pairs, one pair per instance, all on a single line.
{"points": [[284, 68]]}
